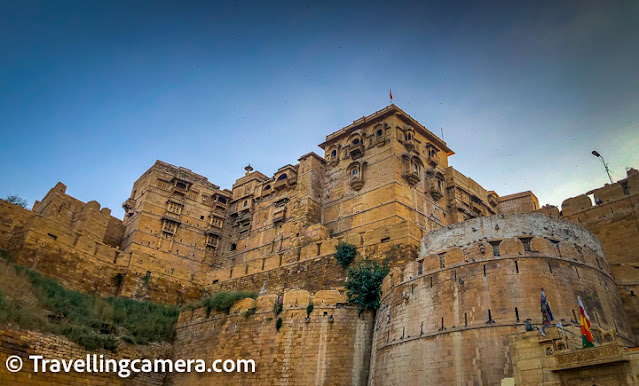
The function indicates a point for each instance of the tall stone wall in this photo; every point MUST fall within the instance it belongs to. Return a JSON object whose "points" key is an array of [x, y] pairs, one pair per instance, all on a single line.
{"points": [[73, 242], [614, 218], [312, 266], [330, 347], [446, 317], [25, 343], [12, 217]]}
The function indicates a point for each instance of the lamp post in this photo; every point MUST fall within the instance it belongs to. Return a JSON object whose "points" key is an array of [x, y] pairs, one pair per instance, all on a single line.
{"points": [[596, 154]]}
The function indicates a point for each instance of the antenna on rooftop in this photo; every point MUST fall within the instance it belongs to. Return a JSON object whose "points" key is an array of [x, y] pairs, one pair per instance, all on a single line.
{"points": [[442, 129]]}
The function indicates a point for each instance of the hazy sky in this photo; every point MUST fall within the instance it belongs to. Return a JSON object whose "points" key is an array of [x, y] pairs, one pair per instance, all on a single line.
{"points": [[93, 92]]}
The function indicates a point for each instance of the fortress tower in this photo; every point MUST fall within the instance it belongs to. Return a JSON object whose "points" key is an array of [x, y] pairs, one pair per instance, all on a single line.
{"points": [[447, 316]]}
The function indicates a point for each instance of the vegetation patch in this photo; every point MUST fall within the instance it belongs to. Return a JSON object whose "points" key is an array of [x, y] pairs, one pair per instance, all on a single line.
{"points": [[345, 254], [250, 312], [220, 301], [364, 283], [35, 302], [16, 200], [309, 308], [278, 324], [278, 306]]}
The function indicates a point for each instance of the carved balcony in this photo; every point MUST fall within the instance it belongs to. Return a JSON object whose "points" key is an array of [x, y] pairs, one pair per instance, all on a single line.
{"points": [[409, 144], [279, 214], [212, 242], [283, 183], [357, 183], [435, 190], [356, 151], [129, 206], [171, 217], [593, 356], [214, 231], [412, 178]]}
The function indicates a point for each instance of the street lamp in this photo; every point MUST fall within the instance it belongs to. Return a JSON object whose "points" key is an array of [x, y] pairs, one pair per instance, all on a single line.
{"points": [[596, 154]]}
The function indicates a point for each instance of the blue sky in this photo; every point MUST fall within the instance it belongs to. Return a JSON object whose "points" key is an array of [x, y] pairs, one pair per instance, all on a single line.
{"points": [[92, 93]]}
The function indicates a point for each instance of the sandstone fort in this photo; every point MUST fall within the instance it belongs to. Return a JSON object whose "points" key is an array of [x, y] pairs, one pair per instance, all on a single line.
{"points": [[460, 304]]}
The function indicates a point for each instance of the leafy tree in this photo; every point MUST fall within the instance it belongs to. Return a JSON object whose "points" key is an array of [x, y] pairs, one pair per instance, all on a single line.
{"points": [[16, 200], [364, 283], [345, 254]]}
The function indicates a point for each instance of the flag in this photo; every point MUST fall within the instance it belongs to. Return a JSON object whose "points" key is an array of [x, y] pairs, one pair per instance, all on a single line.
{"points": [[391, 94], [586, 335], [546, 313], [545, 306]]}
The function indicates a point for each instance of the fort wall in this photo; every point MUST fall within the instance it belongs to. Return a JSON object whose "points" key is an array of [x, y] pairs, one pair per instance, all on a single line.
{"points": [[73, 242], [613, 218], [25, 343], [329, 347], [446, 317]]}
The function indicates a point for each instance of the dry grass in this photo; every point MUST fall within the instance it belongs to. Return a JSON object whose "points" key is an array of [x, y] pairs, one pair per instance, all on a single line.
{"points": [[18, 303], [35, 302]]}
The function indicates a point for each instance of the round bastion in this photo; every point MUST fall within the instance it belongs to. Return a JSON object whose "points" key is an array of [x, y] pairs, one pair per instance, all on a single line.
{"points": [[445, 318]]}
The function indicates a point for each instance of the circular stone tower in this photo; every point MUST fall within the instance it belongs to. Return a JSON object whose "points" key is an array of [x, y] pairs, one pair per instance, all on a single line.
{"points": [[446, 317]]}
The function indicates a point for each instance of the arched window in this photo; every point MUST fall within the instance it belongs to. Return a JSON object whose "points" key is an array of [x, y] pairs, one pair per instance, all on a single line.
{"points": [[282, 177], [181, 185], [356, 141], [409, 137], [379, 132], [222, 200], [334, 154], [245, 203], [415, 167], [267, 187], [355, 172]]}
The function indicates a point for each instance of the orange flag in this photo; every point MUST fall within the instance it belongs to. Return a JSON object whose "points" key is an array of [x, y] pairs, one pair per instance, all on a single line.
{"points": [[586, 335]]}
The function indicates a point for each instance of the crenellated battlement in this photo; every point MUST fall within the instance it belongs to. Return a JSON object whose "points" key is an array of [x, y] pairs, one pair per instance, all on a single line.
{"points": [[477, 282], [611, 213], [294, 305]]}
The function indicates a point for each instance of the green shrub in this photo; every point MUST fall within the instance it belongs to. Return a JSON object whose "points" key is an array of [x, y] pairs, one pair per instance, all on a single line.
{"points": [[309, 308], [7, 256], [364, 283], [223, 301], [3, 308], [345, 254], [278, 324], [220, 301], [278, 307], [250, 312]]}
